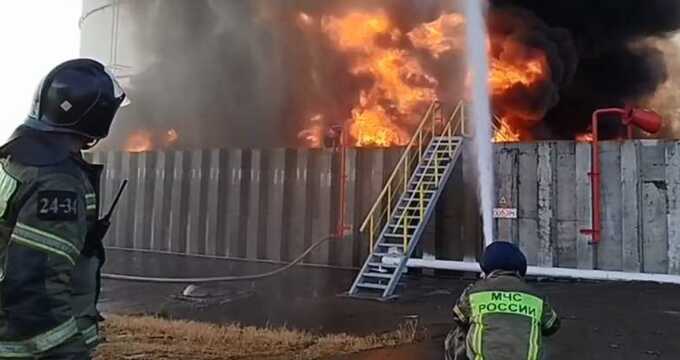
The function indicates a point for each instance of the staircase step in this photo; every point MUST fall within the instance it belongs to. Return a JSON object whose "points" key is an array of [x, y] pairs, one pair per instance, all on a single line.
{"points": [[441, 160], [377, 275], [400, 226], [372, 286], [416, 186], [446, 143], [432, 170], [409, 208], [440, 151], [430, 161], [391, 245], [442, 155], [421, 176], [424, 191], [409, 217], [379, 264], [445, 140], [423, 183], [397, 236]]}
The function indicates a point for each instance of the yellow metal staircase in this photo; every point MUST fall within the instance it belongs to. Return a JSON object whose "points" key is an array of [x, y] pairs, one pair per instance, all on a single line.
{"points": [[396, 221]]}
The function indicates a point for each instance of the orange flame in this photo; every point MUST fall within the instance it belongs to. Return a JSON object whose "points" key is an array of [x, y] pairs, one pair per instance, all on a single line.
{"points": [[505, 132], [400, 84], [139, 141], [440, 36], [357, 31], [587, 137], [505, 75], [371, 127]]}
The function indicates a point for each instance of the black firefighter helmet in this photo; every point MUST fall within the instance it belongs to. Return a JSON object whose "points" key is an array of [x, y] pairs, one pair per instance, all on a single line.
{"points": [[501, 255], [80, 97]]}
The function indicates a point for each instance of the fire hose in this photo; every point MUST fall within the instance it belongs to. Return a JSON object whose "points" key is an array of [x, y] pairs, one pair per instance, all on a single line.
{"points": [[169, 280]]}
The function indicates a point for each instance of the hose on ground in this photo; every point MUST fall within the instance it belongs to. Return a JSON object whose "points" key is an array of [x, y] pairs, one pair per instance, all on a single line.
{"points": [[168, 280]]}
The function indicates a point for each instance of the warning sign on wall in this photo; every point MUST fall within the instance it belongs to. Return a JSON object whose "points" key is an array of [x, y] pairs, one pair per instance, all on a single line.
{"points": [[504, 213]]}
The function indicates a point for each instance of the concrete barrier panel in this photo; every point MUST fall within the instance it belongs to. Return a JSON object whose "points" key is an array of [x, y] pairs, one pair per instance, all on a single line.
{"points": [[527, 201], [143, 201], [275, 180], [546, 167], [673, 183], [320, 203], [450, 212], [297, 233], [215, 202], [233, 244], [584, 249], [125, 215], [371, 176], [111, 178], [566, 225], [178, 202], [199, 175], [630, 176], [505, 184], [654, 207], [253, 210], [472, 224], [343, 250], [162, 182], [610, 249]]}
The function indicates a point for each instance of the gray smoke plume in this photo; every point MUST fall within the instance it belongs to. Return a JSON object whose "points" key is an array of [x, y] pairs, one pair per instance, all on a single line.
{"points": [[211, 70], [234, 73]]}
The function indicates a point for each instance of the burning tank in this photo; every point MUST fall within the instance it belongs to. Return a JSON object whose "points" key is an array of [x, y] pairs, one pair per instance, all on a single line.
{"points": [[267, 73]]}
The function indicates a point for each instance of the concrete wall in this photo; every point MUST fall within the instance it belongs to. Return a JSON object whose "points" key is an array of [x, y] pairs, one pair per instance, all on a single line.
{"points": [[262, 204], [272, 204], [549, 184]]}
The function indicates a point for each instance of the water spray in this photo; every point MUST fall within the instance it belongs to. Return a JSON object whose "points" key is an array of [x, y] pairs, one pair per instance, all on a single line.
{"points": [[478, 63]]}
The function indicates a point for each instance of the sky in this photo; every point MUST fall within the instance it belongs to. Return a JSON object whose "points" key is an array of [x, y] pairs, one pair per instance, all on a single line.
{"points": [[35, 36]]}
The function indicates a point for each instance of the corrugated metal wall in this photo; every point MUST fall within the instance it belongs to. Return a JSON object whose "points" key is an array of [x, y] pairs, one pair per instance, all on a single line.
{"points": [[261, 204], [273, 204]]}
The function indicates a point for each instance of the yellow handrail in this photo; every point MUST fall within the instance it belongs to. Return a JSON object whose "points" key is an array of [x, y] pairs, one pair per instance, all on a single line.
{"points": [[402, 160], [427, 129], [419, 186]]}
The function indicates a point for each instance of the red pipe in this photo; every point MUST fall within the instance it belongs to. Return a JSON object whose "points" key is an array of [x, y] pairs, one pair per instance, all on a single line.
{"points": [[343, 181], [646, 120], [596, 231]]}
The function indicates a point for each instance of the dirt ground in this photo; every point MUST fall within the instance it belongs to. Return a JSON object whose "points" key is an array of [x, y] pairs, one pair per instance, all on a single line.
{"points": [[627, 321]]}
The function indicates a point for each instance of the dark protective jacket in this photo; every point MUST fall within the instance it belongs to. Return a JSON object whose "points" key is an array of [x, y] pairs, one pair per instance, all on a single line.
{"points": [[505, 318], [49, 286]]}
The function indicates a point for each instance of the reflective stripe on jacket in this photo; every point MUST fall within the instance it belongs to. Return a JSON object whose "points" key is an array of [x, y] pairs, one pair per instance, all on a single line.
{"points": [[505, 318], [43, 226]]}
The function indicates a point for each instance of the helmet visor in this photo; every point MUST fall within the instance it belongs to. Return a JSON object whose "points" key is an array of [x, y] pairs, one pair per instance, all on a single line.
{"points": [[118, 91]]}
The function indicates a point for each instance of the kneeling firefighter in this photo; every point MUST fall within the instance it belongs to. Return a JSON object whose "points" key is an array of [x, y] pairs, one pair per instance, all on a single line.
{"points": [[50, 232], [501, 317]]}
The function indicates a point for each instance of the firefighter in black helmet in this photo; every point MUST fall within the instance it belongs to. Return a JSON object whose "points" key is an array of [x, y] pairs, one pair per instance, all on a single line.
{"points": [[50, 234]]}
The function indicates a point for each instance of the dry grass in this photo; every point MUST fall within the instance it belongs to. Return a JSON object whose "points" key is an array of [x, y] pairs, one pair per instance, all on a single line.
{"points": [[153, 338]]}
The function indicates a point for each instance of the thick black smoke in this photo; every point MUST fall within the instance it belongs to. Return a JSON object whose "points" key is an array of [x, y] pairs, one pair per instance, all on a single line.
{"points": [[615, 66], [519, 37], [237, 73]]}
